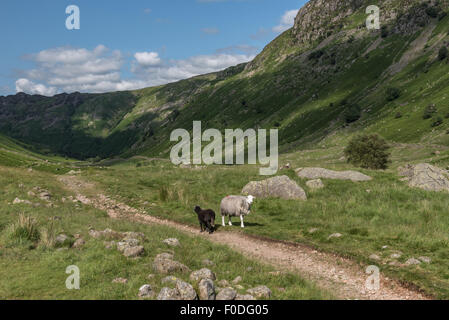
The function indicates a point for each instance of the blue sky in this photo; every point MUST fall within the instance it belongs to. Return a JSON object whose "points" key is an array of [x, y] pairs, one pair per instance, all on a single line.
{"points": [[130, 44]]}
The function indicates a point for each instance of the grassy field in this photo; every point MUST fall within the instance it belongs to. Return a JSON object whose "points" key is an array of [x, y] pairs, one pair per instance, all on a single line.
{"points": [[33, 270], [369, 215]]}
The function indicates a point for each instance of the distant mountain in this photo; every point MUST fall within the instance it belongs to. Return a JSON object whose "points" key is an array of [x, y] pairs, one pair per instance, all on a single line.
{"points": [[327, 76]]}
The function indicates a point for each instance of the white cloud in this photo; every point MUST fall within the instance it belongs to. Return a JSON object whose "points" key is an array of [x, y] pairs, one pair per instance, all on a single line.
{"points": [[25, 85], [67, 69], [147, 59], [287, 21]]}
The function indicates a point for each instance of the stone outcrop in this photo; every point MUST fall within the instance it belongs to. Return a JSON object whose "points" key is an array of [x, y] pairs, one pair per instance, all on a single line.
{"points": [[321, 173], [278, 187], [426, 177]]}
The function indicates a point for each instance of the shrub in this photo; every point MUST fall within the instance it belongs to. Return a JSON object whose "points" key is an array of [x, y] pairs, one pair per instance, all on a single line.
{"points": [[429, 111], [442, 54], [368, 151], [384, 32], [432, 12], [353, 113], [392, 93], [398, 115], [438, 121]]}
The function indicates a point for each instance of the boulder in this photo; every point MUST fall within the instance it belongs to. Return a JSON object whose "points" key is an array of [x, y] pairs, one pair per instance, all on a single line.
{"points": [[237, 280], [227, 294], [277, 187], [202, 274], [206, 289], [321, 173], [186, 291], [130, 243], [78, 243], [335, 235], [426, 177], [207, 262], [170, 280], [315, 184], [412, 261], [260, 292], [169, 294], [121, 281]]}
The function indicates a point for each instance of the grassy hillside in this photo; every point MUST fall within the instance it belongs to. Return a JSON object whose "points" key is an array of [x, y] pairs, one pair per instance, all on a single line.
{"points": [[311, 82]]}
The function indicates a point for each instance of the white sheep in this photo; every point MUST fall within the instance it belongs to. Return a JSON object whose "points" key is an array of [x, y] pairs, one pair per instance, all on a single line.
{"points": [[236, 206]]}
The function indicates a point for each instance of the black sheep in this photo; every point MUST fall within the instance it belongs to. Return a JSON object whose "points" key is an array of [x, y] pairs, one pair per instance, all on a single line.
{"points": [[206, 219]]}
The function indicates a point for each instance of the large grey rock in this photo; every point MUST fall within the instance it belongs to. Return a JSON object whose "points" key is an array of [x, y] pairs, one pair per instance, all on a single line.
{"points": [[426, 177], [170, 280], [173, 242], [244, 297], [123, 245], [168, 266], [260, 292], [202, 274], [186, 291], [277, 187], [321, 173], [227, 294], [412, 261], [169, 294], [207, 289]]}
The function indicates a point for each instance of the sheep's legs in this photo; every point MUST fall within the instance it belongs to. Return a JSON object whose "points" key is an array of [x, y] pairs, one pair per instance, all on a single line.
{"points": [[241, 220], [223, 221], [230, 222]]}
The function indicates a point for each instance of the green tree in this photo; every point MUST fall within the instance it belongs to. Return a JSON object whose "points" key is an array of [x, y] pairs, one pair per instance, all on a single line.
{"points": [[368, 151]]}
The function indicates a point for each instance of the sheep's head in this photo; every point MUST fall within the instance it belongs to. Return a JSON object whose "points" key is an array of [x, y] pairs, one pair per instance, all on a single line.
{"points": [[250, 199]]}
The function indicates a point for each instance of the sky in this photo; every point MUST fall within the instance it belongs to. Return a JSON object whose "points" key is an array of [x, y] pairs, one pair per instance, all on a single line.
{"points": [[125, 45]]}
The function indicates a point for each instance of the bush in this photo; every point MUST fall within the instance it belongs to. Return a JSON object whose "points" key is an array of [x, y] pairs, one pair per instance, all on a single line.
{"points": [[432, 12], [353, 113], [398, 115], [438, 121], [429, 111], [384, 32], [392, 93], [442, 54], [368, 151]]}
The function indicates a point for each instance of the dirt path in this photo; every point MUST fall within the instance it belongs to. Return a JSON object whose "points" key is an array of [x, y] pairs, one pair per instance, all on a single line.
{"points": [[340, 276]]}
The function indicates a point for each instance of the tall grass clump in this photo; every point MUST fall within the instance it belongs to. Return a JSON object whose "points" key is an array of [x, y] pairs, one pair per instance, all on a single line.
{"points": [[24, 230]]}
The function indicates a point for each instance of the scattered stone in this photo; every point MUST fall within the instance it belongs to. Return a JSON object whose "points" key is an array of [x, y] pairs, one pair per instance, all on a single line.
{"points": [[123, 245], [278, 187], [133, 252], [425, 259], [206, 289], [186, 291], [31, 194], [150, 276], [396, 255], [170, 280], [107, 234], [223, 283], [61, 239], [18, 201], [426, 176], [384, 247], [335, 235], [286, 167], [412, 261], [168, 266], [227, 294], [260, 292], [239, 287], [374, 257], [313, 230], [274, 273], [45, 196], [165, 255], [202, 274], [78, 243], [244, 297], [169, 294], [315, 184], [121, 281], [208, 263], [237, 280], [146, 292], [249, 269], [133, 235], [320, 173], [172, 242], [109, 244]]}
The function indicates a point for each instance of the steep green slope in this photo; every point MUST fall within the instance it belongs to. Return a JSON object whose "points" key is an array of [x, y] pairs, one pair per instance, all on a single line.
{"points": [[325, 76]]}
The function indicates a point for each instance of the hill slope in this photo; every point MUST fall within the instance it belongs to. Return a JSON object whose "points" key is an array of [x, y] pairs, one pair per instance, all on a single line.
{"points": [[327, 75]]}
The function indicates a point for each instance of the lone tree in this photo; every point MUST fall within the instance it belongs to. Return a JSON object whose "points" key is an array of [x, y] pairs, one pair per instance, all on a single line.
{"points": [[368, 151]]}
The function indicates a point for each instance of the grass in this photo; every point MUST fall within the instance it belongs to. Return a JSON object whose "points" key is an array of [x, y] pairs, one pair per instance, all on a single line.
{"points": [[35, 268], [370, 215]]}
